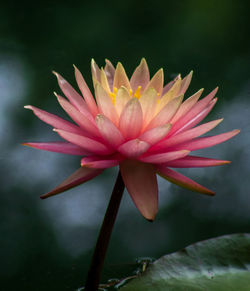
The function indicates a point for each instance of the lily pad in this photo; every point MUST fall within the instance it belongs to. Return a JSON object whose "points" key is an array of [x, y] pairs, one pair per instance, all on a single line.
{"points": [[219, 264]]}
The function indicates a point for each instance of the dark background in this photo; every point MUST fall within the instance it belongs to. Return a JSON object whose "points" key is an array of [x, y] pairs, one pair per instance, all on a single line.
{"points": [[46, 245]]}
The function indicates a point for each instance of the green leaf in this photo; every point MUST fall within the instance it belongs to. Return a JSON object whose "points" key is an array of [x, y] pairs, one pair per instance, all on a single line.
{"points": [[220, 264]]}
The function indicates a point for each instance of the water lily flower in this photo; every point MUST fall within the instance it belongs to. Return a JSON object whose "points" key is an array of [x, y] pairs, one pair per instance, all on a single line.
{"points": [[139, 124]]}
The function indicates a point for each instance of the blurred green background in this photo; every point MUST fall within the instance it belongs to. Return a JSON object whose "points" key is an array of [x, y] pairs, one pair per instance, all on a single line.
{"points": [[47, 245]]}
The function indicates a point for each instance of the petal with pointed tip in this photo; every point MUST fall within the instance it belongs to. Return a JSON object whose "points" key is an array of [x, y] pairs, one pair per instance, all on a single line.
{"points": [[141, 183], [170, 84], [182, 181], [121, 78], [121, 99], [99, 162], [195, 162], [104, 81], [110, 73], [58, 147], [80, 176], [131, 119], [133, 148], [109, 131], [164, 157], [185, 83], [157, 82], [86, 143], [54, 120], [96, 72], [140, 76], [105, 104], [89, 99], [156, 134]]}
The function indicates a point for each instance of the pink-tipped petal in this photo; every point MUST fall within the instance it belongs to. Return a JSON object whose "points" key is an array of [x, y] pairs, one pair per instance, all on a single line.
{"points": [[164, 157], [131, 119], [109, 131], [121, 99], [157, 82], [54, 120], [89, 99], [182, 181], [86, 143], [58, 147], [105, 104], [208, 141], [156, 134], [74, 98], [133, 148], [121, 78], [110, 73], [99, 162], [148, 103], [187, 105], [185, 83], [141, 183], [195, 162], [80, 176], [165, 115], [140, 76], [88, 125]]}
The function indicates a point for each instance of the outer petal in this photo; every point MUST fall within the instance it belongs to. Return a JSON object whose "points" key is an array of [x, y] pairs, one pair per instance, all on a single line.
{"points": [[120, 78], [131, 119], [105, 104], [121, 99], [54, 120], [110, 73], [157, 82], [99, 162], [140, 76], [164, 157], [58, 147], [156, 134], [170, 84], [208, 141], [109, 131], [185, 83], [195, 162], [86, 92], [80, 176], [86, 143], [182, 181], [95, 71], [141, 183], [133, 148]]}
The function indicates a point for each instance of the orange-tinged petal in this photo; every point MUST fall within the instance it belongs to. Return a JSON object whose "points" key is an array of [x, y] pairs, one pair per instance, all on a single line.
{"points": [[182, 181], [121, 78], [157, 82], [140, 76], [141, 183], [131, 119], [80, 176]]}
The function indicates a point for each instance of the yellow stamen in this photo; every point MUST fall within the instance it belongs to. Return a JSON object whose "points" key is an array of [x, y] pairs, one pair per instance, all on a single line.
{"points": [[137, 93], [130, 92], [113, 95]]}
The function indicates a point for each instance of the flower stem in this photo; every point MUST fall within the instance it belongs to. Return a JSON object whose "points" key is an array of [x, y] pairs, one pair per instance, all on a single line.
{"points": [[94, 274]]}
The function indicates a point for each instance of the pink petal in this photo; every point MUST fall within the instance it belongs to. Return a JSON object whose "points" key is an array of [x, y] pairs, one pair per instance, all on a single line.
{"points": [[187, 105], [86, 92], [164, 157], [85, 123], [54, 120], [110, 73], [156, 134], [76, 99], [208, 141], [140, 76], [120, 78], [141, 183], [148, 103], [170, 84], [182, 181], [105, 104], [99, 162], [121, 99], [133, 148], [58, 147], [185, 83], [156, 82], [95, 71], [86, 143], [188, 135], [165, 115], [195, 162], [109, 131], [80, 176], [131, 119], [194, 112]]}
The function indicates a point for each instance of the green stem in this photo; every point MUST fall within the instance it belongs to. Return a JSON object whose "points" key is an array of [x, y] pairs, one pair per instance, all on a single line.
{"points": [[94, 274]]}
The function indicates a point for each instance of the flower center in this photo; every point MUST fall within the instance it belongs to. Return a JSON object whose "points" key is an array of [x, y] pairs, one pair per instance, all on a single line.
{"points": [[135, 94]]}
